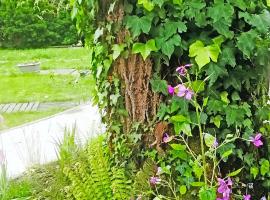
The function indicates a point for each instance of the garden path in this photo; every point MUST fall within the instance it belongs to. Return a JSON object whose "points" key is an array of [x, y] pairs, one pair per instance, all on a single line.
{"points": [[37, 106], [37, 142]]}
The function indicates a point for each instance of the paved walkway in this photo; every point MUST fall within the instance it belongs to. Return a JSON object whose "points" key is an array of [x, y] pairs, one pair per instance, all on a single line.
{"points": [[35, 106], [37, 142]]}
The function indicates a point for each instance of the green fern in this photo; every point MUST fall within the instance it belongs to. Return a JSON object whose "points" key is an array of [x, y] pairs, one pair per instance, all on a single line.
{"points": [[92, 178], [141, 184]]}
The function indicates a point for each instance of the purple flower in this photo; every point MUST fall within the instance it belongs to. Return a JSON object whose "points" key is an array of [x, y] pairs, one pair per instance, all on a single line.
{"points": [[257, 140], [182, 70], [166, 138], [170, 90], [247, 197], [155, 180], [224, 188], [263, 198], [215, 144], [184, 92]]}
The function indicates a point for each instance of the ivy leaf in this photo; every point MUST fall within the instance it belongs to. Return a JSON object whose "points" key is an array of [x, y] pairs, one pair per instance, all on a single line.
{"points": [[138, 25], [239, 3], [167, 47], [171, 28], [216, 120], [221, 11], [264, 166], [159, 86], [234, 115], [147, 4], [158, 2], [117, 49], [224, 97], [144, 49], [223, 29], [214, 71], [178, 2], [254, 171], [246, 42], [261, 21], [227, 56], [203, 54]]}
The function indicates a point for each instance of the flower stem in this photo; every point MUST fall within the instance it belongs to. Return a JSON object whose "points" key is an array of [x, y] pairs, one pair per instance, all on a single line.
{"points": [[202, 144]]}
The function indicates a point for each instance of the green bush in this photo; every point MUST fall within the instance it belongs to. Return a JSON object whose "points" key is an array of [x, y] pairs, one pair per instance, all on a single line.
{"points": [[26, 24]]}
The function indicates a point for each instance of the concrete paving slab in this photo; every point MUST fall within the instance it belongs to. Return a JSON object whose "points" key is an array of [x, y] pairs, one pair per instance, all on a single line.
{"points": [[37, 142]]}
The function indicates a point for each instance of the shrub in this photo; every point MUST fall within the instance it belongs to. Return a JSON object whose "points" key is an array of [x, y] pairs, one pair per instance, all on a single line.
{"points": [[26, 24]]}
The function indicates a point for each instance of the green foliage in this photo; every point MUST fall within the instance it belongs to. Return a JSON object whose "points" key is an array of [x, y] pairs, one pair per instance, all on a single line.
{"points": [[91, 176], [28, 24], [228, 44], [141, 183]]}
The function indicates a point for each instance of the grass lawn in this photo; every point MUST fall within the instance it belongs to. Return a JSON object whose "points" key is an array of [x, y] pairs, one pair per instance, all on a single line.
{"points": [[18, 118], [51, 58], [17, 87], [44, 88]]}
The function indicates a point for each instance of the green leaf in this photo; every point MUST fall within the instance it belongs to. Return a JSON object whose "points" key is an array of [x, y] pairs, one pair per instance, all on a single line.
{"points": [[139, 25], [179, 118], [227, 56], [264, 166], [168, 47], [214, 71], [117, 49], [159, 86], [235, 115], [224, 97], [197, 184], [261, 21], [147, 4], [144, 49], [254, 171], [235, 96], [246, 42], [221, 11], [203, 54], [198, 171], [182, 127], [226, 154], [223, 28], [198, 86], [207, 194], [158, 2], [235, 173], [268, 3], [183, 189], [209, 140], [239, 3], [178, 2], [178, 147], [216, 120]]}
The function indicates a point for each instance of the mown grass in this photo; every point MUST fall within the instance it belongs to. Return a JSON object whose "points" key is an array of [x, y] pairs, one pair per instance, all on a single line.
{"points": [[19, 118], [51, 58], [44, 88]]}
